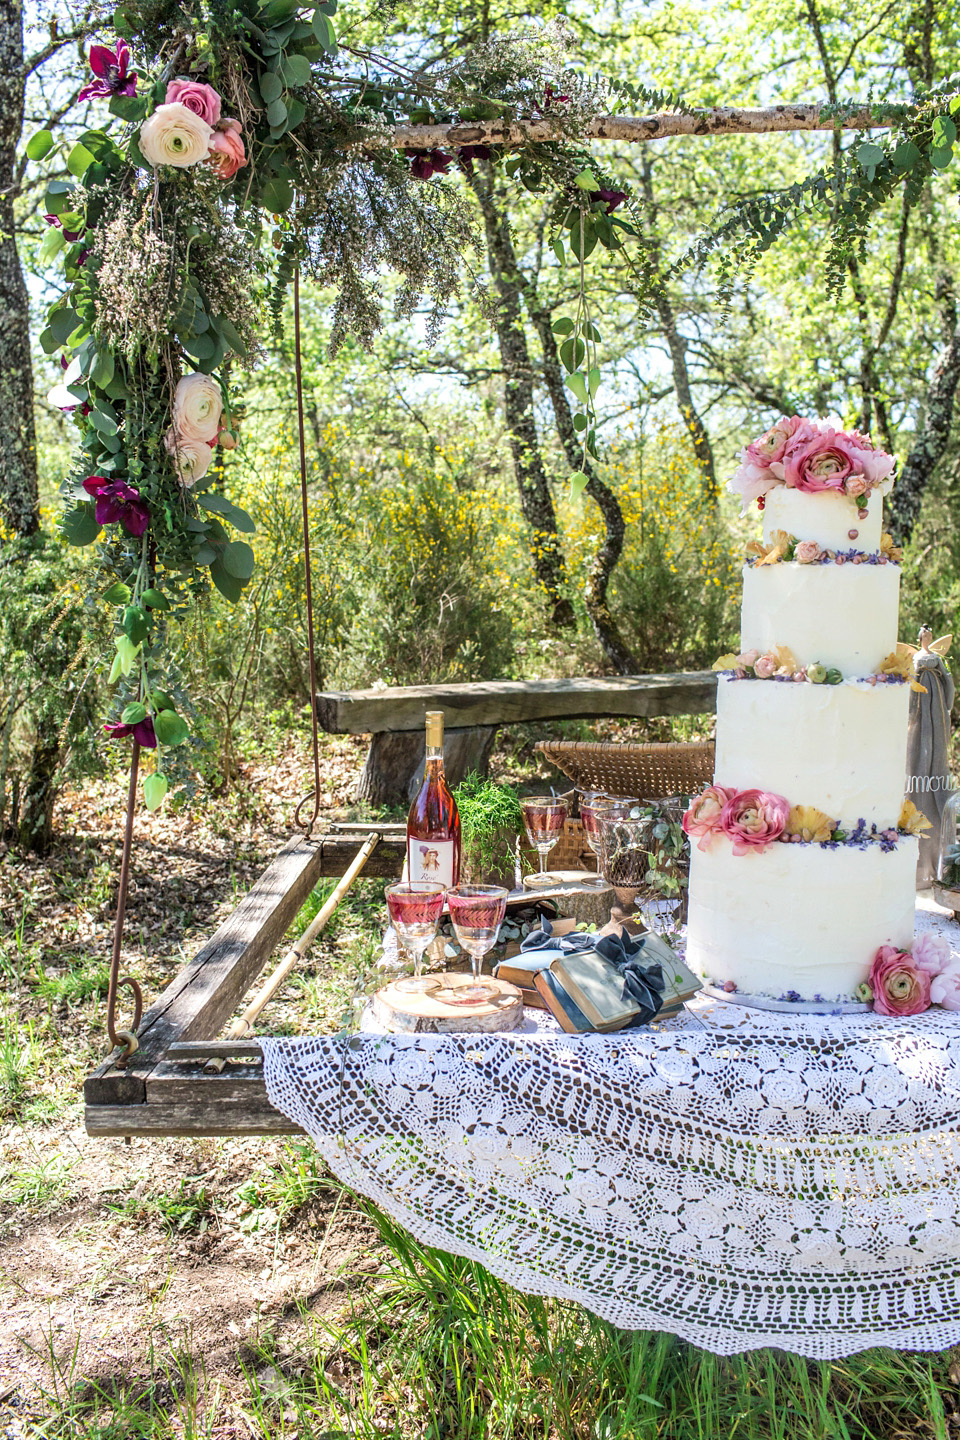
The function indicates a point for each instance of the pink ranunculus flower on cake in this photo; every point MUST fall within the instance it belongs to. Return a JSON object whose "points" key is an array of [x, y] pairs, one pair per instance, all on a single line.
{"points": [[765, 666], [197, 407], [701, 819], [823, 463], [753, 819], [899, 988], [174, 135], [202, 99], [945, 987], [227, 153], [931, 953], [807, 552]]}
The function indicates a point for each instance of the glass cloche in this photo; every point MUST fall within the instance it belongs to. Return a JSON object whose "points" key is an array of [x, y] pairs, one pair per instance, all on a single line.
{"points": [[947, 888]]}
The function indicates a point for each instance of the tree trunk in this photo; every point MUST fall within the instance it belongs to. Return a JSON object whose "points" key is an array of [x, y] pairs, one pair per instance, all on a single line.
{"points": [[18, 441], [677, 345], [605, 627], [535, 499], [19, 491], [394, 765], [903, 505]]}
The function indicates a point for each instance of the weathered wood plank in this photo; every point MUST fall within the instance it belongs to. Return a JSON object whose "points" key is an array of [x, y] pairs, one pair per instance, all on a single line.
{"points": [[247, 1117], [205, 993], [500, 702]]}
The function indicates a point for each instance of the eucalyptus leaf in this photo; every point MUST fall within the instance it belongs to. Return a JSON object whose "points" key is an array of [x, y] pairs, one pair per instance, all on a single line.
{"points": [[578, 385], [136, 626], [63, 322], [79, 160], [170, 728], [230, 588], [51, 245], [134, 713], [239, 560], [271, 86], [117, 594], [39, 145], [277, 196], [562, 327], [587, 180], [276, 113], [154, 790], [295, 70], [155, 600], [578, 483], [80, 525]]}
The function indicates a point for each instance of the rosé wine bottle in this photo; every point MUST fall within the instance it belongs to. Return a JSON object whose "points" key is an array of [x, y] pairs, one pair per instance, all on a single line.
{"points": [[433, 825]]}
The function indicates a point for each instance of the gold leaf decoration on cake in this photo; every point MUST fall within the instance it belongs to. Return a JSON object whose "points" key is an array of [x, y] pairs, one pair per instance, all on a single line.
{"points": [[726, 662], [810, 823], [775, 551], [786, 660], [912, 820], [887, 547], [900, 662]]}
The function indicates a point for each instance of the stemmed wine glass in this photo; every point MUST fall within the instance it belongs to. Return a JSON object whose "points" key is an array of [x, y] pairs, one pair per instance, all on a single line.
{"points": [[543, 817], [415, 908], [477, 912], [626, 840], [594, 804]]}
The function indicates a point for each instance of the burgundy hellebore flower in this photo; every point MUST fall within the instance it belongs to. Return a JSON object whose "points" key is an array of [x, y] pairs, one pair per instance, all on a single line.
{"points": [[142, 731], [549, 97], [468, 153], [111, 68], [429, 162], [611, 198], [116, 500]]}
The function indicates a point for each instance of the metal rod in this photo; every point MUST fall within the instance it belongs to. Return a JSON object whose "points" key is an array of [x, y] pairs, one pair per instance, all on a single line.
{"points": [[242, 1027], [125, 1038], [308, 579]]}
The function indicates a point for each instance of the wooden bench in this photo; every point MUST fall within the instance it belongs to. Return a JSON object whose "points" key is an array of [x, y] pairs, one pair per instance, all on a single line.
{"points": [[393, 717]]}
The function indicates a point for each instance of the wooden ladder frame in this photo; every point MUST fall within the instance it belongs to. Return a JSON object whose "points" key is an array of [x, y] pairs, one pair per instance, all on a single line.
{"points": [[157, 1095]]}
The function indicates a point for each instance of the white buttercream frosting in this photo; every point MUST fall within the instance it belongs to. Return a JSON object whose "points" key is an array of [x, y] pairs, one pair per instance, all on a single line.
{"points": [[798, 918], [841, 748], [842, 616], [825, 517]]}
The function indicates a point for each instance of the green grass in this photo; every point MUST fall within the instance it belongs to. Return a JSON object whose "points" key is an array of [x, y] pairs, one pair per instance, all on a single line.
{"points": [[189, 1208], [40, 1184]]}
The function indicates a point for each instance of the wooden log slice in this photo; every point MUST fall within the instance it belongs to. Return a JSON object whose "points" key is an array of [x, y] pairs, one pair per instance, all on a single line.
{"points": [[590, 904], [418, 1014]]}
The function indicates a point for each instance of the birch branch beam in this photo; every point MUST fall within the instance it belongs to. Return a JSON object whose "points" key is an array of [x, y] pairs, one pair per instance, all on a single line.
{"points": [[720, 120]]}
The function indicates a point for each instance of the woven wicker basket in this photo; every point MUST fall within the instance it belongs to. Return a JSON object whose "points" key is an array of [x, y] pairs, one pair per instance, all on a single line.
{"points": [[651, 772]]}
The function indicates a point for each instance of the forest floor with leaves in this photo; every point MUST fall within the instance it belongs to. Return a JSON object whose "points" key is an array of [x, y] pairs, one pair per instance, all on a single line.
{"points": [[177, 1288]]}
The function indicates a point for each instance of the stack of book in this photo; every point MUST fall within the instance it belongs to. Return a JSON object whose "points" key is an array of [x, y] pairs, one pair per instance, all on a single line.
{"points": [[585, 992]]}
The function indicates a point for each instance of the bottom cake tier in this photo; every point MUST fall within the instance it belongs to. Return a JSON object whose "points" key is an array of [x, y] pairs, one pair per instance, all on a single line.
{"points": [[798, 922]]}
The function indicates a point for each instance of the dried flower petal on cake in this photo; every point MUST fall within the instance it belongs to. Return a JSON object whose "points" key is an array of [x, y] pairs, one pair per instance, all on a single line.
{"points": [[701, 819], [754, 819], [810, 824], [899, 988], [887, 547], [912, 821], [900, 662]]}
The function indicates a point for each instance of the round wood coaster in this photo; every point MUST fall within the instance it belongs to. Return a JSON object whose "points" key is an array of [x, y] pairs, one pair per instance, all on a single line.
{"points": [[416, 1014], [590, 904]]}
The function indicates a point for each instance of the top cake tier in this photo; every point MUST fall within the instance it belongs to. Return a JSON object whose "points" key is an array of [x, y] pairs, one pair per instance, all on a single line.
{"points": [[828, 518]]}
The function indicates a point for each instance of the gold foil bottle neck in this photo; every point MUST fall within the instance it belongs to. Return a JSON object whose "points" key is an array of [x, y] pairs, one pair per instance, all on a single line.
{"points": [[434, 729]]}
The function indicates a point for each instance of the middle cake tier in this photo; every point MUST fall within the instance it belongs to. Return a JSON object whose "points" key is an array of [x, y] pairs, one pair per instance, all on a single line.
{"points": [[841, 748], [845, 616]]}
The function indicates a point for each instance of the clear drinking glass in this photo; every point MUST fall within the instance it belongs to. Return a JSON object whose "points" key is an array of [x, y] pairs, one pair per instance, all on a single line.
{"points": [[415, 908], [594, 804], [477, 913], [543, 817], [627, 839]]}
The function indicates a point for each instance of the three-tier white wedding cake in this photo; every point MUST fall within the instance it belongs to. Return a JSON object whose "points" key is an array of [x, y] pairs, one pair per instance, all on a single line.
{"points": [[803, 860]]}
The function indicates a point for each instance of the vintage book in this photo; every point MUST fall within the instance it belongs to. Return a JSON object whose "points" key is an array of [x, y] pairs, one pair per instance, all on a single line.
{"points": [[680, 984], [596, 987], [555, 999], [520, 969]]}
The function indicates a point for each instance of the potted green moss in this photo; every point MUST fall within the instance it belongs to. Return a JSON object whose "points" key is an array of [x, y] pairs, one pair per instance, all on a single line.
{"points": [[491, 822]]}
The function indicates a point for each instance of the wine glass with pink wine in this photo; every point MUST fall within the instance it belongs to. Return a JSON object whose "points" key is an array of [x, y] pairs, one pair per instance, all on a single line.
{"points": [[594, 804], [477, 913], [543, 817], [415, 908]]}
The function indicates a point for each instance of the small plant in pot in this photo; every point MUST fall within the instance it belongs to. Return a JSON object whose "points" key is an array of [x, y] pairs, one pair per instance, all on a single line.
{"points": [[491, 822]]}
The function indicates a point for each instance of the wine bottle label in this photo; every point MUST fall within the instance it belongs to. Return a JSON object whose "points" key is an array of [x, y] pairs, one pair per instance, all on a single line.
{"points": [[430, 860]]}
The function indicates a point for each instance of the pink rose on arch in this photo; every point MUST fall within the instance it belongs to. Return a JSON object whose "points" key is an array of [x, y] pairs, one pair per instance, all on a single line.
{"points": [[899, 988], [701, 819], [931, 953], [807, 552], [945, 988], [753, 819], [764, 666], [823, 463], [203, 100], [227, 153]]}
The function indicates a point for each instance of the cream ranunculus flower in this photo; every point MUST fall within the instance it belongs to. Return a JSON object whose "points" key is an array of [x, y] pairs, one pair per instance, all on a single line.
{"points": [[197, 407], [174, 135], [191, 457]]}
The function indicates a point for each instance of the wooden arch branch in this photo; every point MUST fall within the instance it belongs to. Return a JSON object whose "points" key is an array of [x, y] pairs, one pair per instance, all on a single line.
{"points": [[720, 120]]}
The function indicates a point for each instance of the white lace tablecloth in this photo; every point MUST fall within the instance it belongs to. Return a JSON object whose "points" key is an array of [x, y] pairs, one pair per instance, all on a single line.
{"points": [[735, 1177]]}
